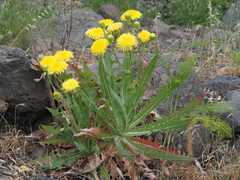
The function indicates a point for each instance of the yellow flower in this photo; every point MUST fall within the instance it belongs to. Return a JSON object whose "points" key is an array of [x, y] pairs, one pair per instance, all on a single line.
{"points": [[99, 47], [144, 36], [57, 67], [95, 33], [134, 15], [107, 22], [114, 27], [64, 55], [70, 84], [25, 169], [126, 42], [47, 61]]}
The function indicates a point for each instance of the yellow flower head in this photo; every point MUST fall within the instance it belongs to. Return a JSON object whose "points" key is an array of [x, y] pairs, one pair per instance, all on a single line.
{"points": [[99, 46], [70, 84], [126, 42], [25, 169], [47, 61], [107, 22], [134, 15], [57, 67], [64, 55], [114, 27], [95, 33], [144, 36]]}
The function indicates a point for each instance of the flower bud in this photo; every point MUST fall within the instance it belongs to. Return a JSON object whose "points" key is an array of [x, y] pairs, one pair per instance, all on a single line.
{"points": [[45, 68], [128, 16], [101, 24], [57, 96], [110, 38], [144, 49], [152, 36], [117, 32], [137, 24]]}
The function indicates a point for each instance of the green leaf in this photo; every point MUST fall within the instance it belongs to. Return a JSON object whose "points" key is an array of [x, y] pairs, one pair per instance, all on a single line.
{"points": [[52, 129], [160, 126], [136, 96], [64, 159], [133, 100], [151, 106], [121, 118], [56, 114], [111, 70], [172, 122], [146, 75], [81, 147], [160, 154], [104, 81], [79, 112], [57, 140], [91, 104], [104, 173], [121, 152]]}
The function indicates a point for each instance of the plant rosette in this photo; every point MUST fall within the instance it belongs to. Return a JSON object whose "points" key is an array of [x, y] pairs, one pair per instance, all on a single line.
{"points": [[98, 112]]}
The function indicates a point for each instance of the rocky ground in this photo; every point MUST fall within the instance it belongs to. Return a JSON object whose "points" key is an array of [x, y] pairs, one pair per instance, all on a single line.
{"points": [[212, 51]]}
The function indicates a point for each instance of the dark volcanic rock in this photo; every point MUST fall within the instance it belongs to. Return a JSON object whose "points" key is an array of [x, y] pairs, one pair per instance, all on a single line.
{"points": [[27, 98], [223, 84], [231, 17], [109, 11]]}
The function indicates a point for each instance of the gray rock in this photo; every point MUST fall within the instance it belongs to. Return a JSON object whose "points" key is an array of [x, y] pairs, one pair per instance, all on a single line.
{"points": [[223, 84], [161, 28], [232, 15], [80, 20], [237, 144], [25, 96], [218, 34], [199, 30], [201, 139], [147, 22], [110, 11]]}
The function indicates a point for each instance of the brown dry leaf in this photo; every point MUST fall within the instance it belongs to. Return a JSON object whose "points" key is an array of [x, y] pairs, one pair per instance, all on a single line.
{"points": [[144, 169], [88, 132], [42, 77], [94, 162], [116, 173], [35, 65], [129, 169]]}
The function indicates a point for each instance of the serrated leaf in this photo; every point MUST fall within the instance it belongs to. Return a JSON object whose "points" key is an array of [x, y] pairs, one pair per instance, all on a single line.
{"points": [[88, 100], [119, 148], [160, 154], [56, 113], [81, 146], [160, 126], [172, 122], [133, 101], [52, 129], [151, 106], [63, 160]]}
